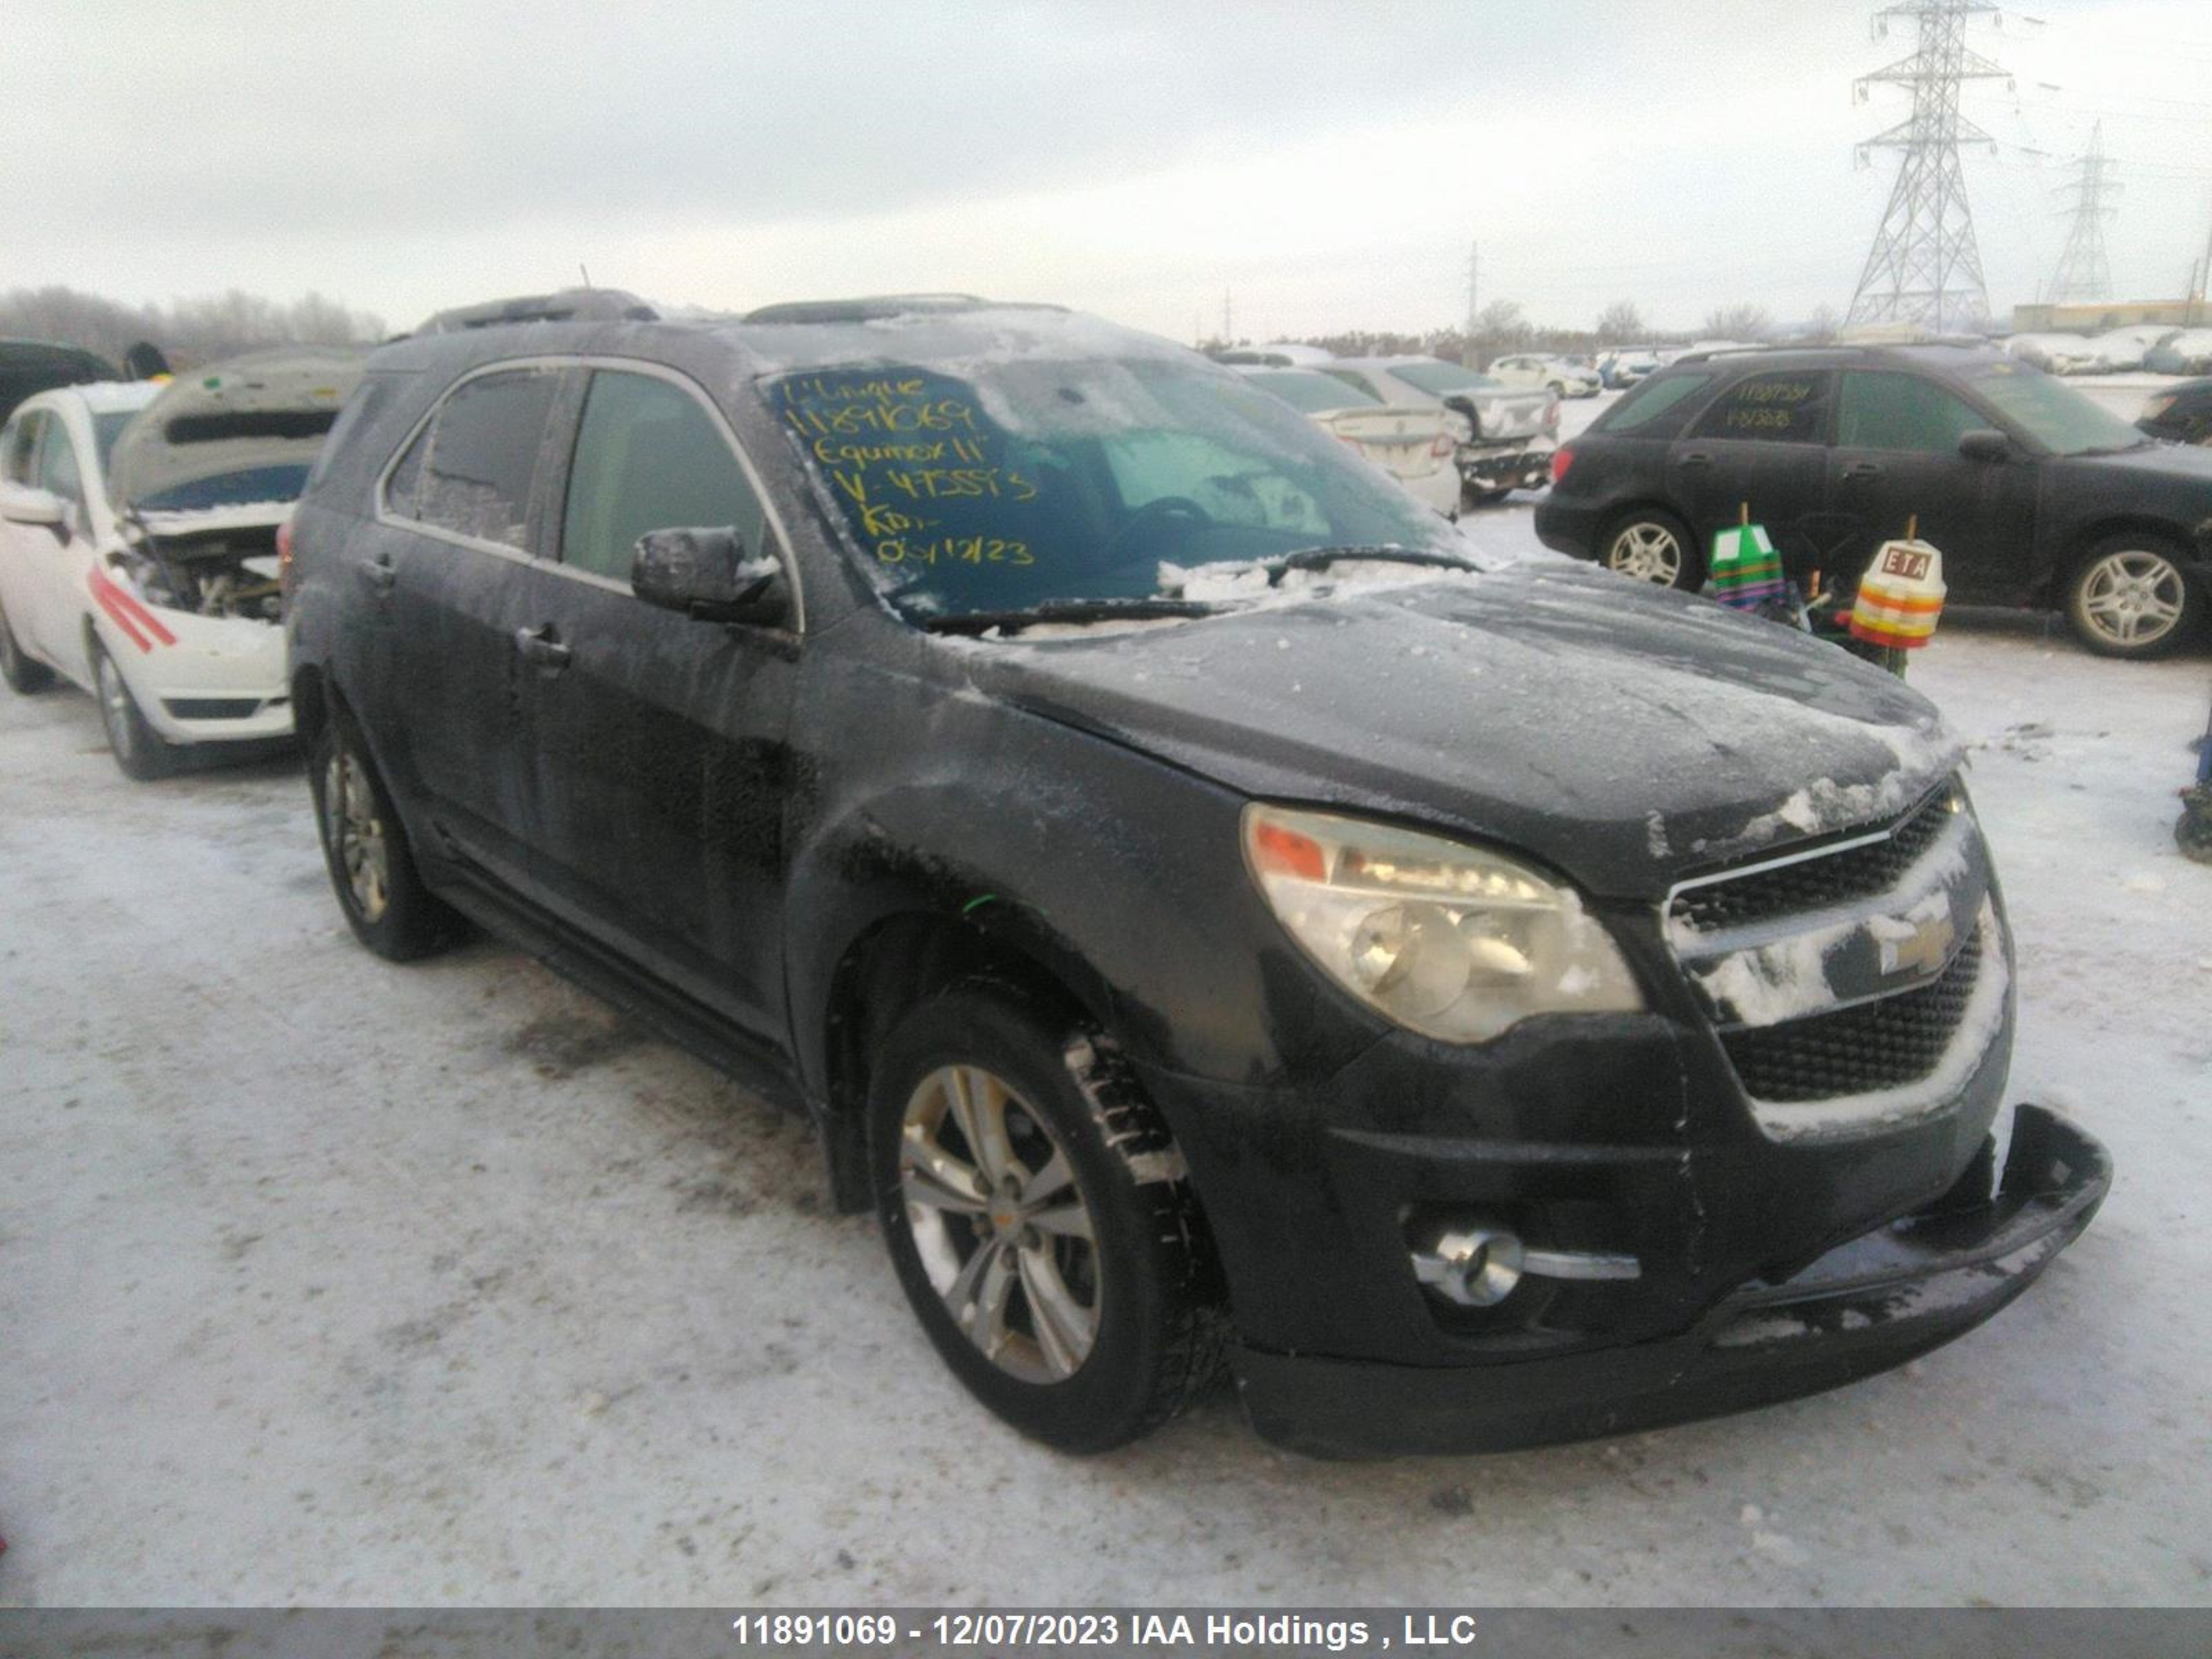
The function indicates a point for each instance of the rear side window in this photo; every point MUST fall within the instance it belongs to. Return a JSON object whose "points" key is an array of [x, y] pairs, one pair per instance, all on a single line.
{"points": [[470, 470], [1649, 399], [1886, 410], [649, 456], [1786, 406]]}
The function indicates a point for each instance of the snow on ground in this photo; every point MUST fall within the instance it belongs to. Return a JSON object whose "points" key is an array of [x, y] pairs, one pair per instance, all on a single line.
{"points": [[326, 1280]]}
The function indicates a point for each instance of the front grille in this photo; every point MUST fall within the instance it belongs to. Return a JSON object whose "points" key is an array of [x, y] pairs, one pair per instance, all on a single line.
{"points": [[211, 709], [1855, 1051], [1815, 882]]}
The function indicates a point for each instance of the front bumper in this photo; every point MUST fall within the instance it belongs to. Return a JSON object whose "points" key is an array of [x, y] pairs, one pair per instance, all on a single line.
{"points": [[1863, 1306]]}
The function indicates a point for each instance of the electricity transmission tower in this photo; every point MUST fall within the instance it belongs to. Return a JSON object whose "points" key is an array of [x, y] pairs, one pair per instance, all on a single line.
{"points": [[1923, 267], [2082, 272]]}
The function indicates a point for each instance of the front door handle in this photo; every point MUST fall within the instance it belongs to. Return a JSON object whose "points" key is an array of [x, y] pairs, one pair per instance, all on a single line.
{"points": [[541, 646], [1863, 470], [1697, 457], [378, 573]]}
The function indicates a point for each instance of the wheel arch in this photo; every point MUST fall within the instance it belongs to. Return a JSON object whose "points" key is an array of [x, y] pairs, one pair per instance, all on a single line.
{"points": [[895, 964], [2163, 533]]}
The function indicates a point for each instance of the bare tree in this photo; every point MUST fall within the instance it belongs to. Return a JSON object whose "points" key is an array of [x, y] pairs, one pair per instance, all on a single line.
{"points": [[191, 332], [1820, 327], [1740, 322], [1620, 323]]}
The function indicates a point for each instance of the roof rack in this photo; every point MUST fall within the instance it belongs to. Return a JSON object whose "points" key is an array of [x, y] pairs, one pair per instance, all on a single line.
{"points": [[876, 309], [1961, 342], [570, 305]]}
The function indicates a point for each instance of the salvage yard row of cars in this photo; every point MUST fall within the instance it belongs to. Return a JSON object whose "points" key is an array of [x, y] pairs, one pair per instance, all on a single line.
{"points": [[1210, 914]]}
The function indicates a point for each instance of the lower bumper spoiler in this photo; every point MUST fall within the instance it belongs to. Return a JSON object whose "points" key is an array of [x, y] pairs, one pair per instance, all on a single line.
{"points": [[1869, 1304]]}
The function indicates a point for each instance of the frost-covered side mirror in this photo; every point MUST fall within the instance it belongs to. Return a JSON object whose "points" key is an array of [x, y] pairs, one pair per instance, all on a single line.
{"points": [[1984, 444], [705, 574]]}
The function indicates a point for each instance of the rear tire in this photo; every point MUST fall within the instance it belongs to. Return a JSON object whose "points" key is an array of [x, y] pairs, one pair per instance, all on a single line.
{"points": [[2130, 597], [25, 678], [365, 848], [1055, 1259], [142, 753], [1652, 545]]}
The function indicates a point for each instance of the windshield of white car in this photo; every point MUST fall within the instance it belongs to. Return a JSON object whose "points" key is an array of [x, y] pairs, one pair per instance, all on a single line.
{"points": [[1008, 485], [1442, 379], [2056, 416], [1302, 389]]}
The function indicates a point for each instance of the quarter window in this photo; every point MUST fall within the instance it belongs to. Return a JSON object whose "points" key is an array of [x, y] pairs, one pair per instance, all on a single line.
{"points": [[470, 470], [649, 456], [1886, 409], [1786, 406]]}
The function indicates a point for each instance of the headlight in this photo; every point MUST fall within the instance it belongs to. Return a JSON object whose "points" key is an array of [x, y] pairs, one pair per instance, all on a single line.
{"points": [[1450, 940]]}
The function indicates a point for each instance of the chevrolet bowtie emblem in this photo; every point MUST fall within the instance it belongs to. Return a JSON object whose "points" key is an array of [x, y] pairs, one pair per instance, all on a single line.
{"points": [[1924, 950]]}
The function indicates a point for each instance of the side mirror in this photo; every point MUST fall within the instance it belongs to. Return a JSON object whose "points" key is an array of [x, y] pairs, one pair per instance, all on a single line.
{"points": [[1986, 443], [704, 575], [22, 505]]}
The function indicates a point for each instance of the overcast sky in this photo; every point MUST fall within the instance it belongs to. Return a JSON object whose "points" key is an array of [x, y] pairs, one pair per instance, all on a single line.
{"points": [[1327, 163]]}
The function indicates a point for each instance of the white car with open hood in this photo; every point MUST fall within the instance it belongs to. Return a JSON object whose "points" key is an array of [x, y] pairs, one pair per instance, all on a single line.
{"points": [[138, 545]]}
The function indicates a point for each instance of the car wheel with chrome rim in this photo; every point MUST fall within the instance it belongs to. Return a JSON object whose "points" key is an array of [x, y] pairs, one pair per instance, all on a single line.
{"points": [[1038, 1217], [138, 749], [2131, 598], [365, 848], [1650, 546]]}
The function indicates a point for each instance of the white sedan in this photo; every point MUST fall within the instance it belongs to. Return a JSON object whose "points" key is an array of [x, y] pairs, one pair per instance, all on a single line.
{"points": [[1413, 443], [138, 548], [1560, 377]]}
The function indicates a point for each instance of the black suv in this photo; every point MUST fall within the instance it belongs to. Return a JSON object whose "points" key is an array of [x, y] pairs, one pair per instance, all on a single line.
{"points": [[2035, 496], [1198, 906], [2181, 414]]}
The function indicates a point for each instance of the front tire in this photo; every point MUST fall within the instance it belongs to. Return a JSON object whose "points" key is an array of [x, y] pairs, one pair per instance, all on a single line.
{"points": [[142, 753], [1653, 546], [25, 678], [365, 848], [1037, 1217], [2131, 598]]}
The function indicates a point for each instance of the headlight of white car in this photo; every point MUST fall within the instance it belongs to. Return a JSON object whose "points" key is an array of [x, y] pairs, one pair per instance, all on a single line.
{"points": [[1450, 940]]}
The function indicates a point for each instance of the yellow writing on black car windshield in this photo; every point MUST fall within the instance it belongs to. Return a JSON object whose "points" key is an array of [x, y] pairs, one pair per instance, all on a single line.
{"points": [[919, 473]]}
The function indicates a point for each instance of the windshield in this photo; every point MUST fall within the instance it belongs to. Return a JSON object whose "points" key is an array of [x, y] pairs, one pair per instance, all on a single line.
{"points": [[1440, 378], [2054, 416], [1301, 388], [1029, 482]]}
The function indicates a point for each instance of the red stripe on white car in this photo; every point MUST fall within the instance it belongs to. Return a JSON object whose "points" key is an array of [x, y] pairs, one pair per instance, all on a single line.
{"points": [[125, 610]]}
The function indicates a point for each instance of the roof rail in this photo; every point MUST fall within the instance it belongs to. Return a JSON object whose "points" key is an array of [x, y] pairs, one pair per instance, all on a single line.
{"points": [[570, 305], [876, 309]]}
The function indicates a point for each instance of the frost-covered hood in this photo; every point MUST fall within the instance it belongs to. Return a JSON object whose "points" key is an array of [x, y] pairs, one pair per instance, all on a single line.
{"points": [[1620, 733], [256, 416]]}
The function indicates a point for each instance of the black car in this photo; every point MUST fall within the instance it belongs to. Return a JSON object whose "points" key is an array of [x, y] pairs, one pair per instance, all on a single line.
{"points": [[30, 367], [2181, 414], [2035, 496], [1200, 906]]}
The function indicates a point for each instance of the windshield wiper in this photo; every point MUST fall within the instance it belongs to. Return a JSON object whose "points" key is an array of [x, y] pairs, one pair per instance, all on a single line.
{"points": [[1317, 558], [1068, 611]]}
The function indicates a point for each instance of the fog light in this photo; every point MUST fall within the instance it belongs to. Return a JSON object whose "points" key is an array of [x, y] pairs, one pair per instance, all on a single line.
{"points": [[1474, 1267]]}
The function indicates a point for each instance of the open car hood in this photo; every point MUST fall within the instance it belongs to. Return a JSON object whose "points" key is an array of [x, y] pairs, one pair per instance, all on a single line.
{"points": [[242, 430]]}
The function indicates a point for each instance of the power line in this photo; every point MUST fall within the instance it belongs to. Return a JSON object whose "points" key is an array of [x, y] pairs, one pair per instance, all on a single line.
{"points": [[1924, 266], [2084, 273]]}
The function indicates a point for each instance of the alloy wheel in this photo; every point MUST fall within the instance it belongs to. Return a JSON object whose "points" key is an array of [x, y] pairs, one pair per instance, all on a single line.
{"points": [[1648, 552], [1001, 1222], [2132, 597], [356, 831]]}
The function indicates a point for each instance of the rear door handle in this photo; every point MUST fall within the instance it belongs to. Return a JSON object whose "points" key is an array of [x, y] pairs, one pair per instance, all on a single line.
{"points": [[1697, 457], [378, 573], [538, 645], [1863, 470]]}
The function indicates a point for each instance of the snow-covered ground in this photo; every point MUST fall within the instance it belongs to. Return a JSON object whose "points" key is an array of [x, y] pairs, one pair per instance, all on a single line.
{"points": [[326, 1280]]}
